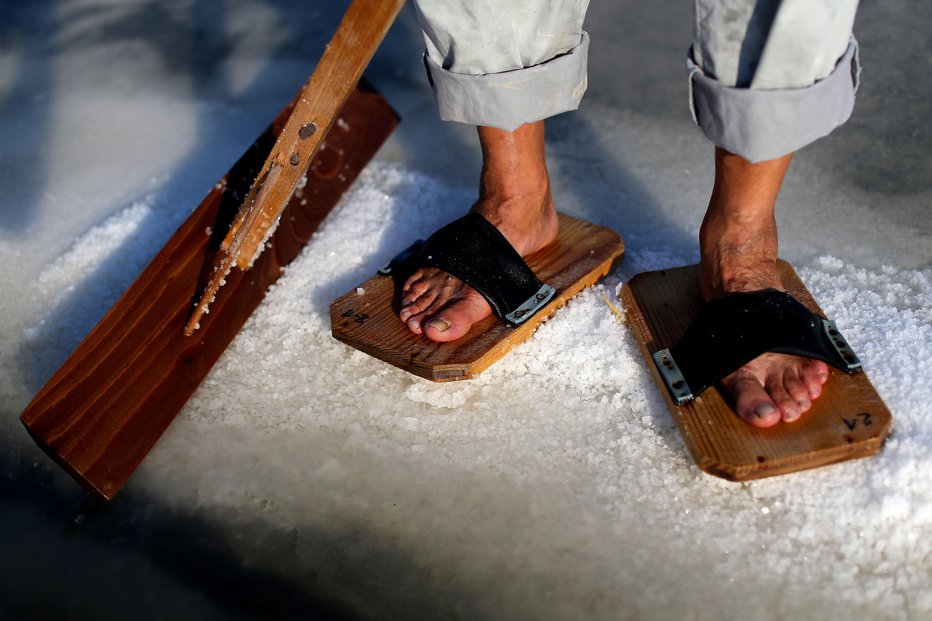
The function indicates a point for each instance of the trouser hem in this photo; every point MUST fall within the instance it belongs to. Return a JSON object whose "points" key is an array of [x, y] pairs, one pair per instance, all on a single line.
{"points": [[510, 99], [763, 125]]}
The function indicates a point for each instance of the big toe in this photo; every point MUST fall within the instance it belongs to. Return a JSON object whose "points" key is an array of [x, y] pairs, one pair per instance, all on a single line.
{"points": [[753, 403], [455, 319]]}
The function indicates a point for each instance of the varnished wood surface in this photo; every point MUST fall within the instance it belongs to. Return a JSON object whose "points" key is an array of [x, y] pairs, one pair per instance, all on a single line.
{"points": [[368, 321], [319, 104], [848, 421], [315, 110], [109, 403]]}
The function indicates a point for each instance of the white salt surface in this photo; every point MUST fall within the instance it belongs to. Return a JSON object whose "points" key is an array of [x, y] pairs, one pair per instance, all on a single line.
{"points": [[571, 422], [304, 475]]}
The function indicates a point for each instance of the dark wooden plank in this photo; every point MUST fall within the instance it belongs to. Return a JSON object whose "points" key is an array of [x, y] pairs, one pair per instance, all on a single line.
{"points": [[109, 403], [848, 421], [581, 255]]}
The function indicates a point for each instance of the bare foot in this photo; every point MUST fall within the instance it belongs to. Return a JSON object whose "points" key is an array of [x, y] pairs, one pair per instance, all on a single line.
{"points": [[514, 195], [738, 246]]}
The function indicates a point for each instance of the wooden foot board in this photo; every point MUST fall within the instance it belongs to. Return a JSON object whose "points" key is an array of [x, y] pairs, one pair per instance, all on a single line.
{"points": [[848, 421], [367, 317], [109, 403]]}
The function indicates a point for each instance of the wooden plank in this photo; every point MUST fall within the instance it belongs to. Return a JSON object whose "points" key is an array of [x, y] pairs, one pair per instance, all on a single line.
{"points": [[848, 421], [316, 108], [368, 321], [109, 403]]}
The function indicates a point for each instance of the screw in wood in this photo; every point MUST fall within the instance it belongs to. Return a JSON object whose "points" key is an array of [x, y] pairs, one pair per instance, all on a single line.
{"points": [[307, 131]]}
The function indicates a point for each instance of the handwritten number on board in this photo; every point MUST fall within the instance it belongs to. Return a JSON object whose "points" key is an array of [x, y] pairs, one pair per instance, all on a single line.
{"points": [[357, 317], [863, 418]]}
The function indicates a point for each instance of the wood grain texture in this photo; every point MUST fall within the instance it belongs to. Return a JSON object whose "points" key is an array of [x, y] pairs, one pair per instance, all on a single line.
{"points": [[848, 421], [109, 403], [316, 109], [581, 255], [314, 112]]}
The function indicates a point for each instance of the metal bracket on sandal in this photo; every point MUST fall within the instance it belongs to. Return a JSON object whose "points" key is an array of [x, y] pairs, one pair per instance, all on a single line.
{"points": [[476, 252], [530, 306], [732, 331], [673, 377]]}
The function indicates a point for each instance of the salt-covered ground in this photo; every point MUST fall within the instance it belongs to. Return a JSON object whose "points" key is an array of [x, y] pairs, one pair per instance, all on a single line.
{"points": [[306, 480]]}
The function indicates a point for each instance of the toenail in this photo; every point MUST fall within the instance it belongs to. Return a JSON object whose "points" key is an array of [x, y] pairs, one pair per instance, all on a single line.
{"points": [[440, 325], [791, 415], [764, 410]]}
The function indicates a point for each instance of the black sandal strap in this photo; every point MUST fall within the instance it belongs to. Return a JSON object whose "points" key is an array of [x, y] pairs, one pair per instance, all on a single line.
{"points": [[730, 332], [476, 252]]}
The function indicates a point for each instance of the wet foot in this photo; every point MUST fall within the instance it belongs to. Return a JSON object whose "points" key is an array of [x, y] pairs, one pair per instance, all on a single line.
{"points": [[738, 247], [514, 195]]}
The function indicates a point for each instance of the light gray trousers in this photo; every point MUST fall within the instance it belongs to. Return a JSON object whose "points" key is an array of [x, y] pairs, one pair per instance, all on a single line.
{"points": [[766, 77]]}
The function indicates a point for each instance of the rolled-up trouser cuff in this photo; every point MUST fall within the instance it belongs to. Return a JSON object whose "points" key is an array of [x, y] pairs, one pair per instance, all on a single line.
{"points": [[509, 99], [763, 125]]}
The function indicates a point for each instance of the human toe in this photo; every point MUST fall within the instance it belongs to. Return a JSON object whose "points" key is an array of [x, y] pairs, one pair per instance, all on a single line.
{"points": [[752, 403], [447, 326], [797, 390], [454, 320], [414, 323], [417, 277], [814, 374], [413, 305], [790, 409]]}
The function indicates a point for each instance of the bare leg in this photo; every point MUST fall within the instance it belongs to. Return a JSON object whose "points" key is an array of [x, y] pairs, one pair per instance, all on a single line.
{"points": [[514, 195], [738, 246]]}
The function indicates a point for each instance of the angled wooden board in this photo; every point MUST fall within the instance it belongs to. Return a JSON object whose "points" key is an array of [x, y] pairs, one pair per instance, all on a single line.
{"points": [[314, 111], [106, 407], [367, 317], [848, 421]]}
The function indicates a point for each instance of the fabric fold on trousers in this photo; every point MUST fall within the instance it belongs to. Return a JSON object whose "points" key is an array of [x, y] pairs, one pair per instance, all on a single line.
{"points": [[510, 99], [763, 125]]}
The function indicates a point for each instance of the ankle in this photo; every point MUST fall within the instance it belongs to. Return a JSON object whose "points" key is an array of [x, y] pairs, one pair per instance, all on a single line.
{"points": [[528, 184], [735, 263], [737, 255], [527, 223], [738, 236]]}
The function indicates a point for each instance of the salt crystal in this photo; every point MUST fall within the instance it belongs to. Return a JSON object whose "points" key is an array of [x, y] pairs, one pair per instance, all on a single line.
{"points": [[540, 415]]}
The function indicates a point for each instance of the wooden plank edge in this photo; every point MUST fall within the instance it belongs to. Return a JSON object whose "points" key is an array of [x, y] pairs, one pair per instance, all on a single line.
{"points": [[186, 228]]}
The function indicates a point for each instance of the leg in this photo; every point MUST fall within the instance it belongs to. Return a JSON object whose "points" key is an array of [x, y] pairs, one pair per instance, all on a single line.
{"points": [[738, 248], [503, 68], [738, 237]]}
